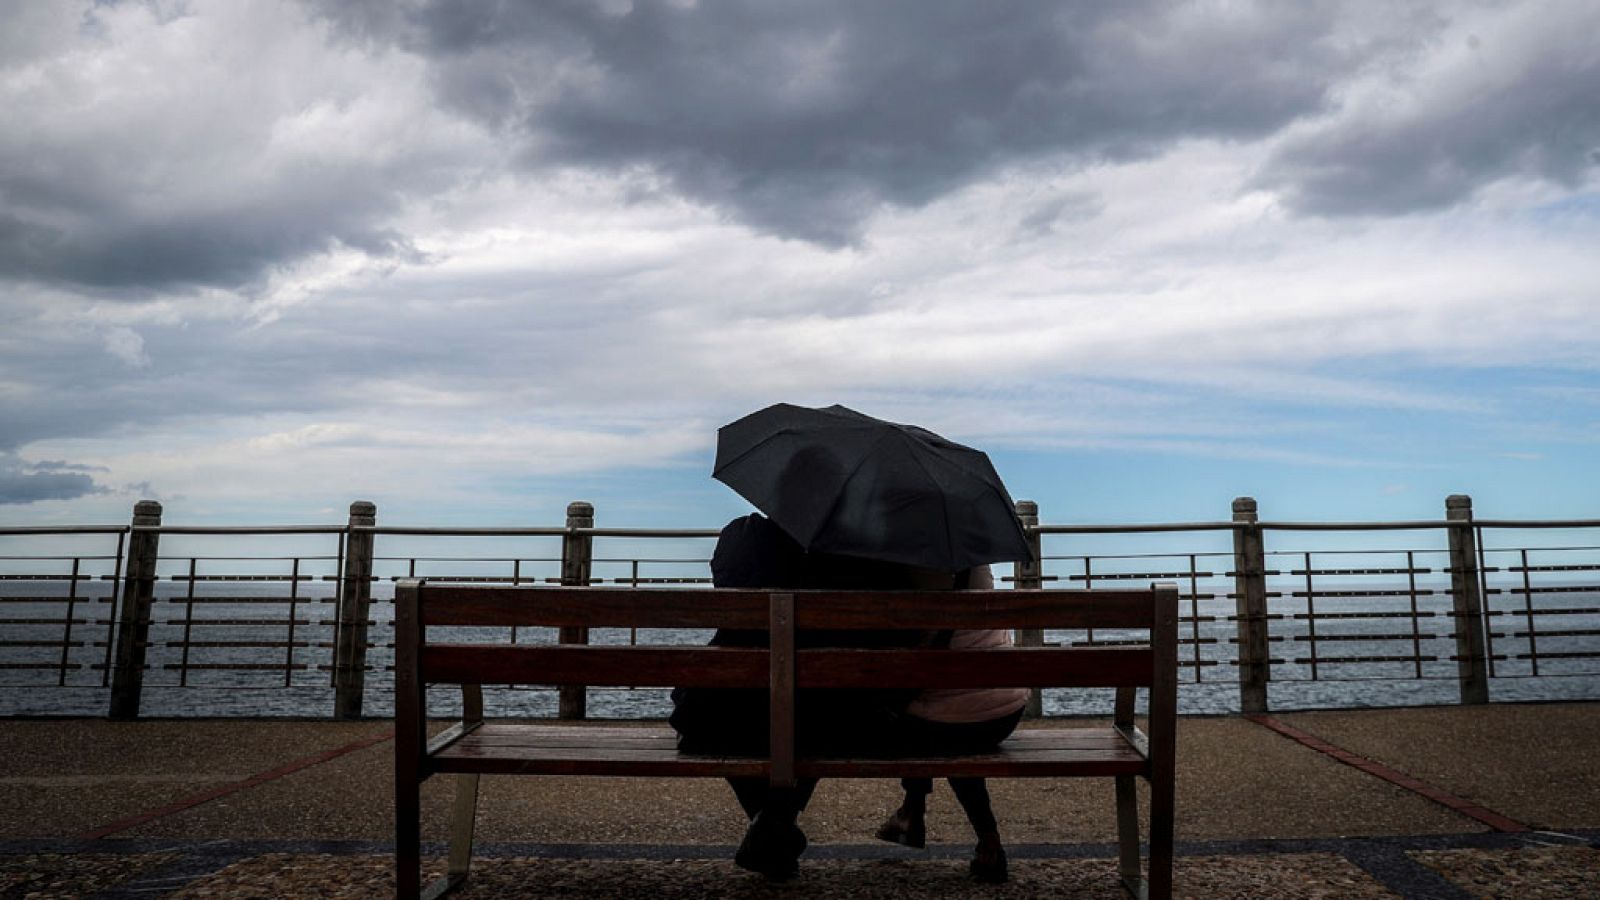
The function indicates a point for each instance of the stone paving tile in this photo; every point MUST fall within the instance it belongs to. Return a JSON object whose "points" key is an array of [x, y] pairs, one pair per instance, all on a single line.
{"points": [[1303, 875], [44, 876], [1538, 763], [1522, 873]]}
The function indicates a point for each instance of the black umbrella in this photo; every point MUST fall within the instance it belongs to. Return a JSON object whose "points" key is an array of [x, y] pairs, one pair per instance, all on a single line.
{"points": [[841, 482]]}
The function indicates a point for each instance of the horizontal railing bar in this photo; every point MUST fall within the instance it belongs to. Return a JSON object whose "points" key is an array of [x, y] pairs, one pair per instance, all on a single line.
{"points": [[536, 531], [1315, 572], [44, 621], [236, 578], [240, 529], [281, 645], [481, 559], [1177, 554], [1357, 593], [1323, 660], [62, 529], [1134, 576], [250, 667], [57, 558], [1135, 527], [1404, 636], [241, 601], [1374, 614], [246, 622]]}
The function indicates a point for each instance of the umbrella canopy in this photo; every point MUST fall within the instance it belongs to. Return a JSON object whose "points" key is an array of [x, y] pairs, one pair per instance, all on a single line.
{"points": [[842, 482]]}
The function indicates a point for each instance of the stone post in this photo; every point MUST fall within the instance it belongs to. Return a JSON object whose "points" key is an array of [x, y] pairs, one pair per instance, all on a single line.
{"points": [[1471, 655], [355, 609], [1029, 575], [133, 620], [1250, 607], [577, 556]]}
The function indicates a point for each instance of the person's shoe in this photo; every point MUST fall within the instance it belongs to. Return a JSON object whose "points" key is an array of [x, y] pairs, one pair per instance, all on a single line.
{"points": [[772, 851], [989, 865], [904, 830]]}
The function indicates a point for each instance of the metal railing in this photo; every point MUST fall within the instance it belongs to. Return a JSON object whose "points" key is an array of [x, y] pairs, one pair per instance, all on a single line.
{"points": [[152, 606]]}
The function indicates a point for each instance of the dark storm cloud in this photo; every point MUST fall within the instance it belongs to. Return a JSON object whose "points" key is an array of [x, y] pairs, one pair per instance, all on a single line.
{"points": [[1517, 101], [22, 482], [227, 248], [192, 147], [802, 119]]}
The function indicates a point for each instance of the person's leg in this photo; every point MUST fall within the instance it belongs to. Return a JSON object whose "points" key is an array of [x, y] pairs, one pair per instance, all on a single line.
{"points": [[773, 842], [908, 824], [989, 859], [751, 794]]}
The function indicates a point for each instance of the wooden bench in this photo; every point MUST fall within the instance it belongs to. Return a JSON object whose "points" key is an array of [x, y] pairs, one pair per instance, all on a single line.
{"points": [[474, 747]]}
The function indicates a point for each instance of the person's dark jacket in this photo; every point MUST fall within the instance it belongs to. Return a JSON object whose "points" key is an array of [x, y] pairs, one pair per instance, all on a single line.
{"points": [[752, 552]]}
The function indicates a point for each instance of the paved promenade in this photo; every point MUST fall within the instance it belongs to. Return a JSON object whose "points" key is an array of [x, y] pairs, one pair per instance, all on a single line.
{"points": [[1498, 801]]}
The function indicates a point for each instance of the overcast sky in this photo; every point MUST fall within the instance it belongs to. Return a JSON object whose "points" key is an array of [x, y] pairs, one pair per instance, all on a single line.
{"points": [[474, 259]]}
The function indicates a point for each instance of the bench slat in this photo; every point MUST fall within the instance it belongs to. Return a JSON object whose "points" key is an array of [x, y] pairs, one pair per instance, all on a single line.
{"points": [[581, 750], [525, 605], [814, 668], [597, 607], [939, 610], [997, 667], [596, 666]]}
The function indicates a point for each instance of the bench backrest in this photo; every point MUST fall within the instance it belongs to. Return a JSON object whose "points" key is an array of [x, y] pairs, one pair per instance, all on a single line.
{"points": [[422, 658]]}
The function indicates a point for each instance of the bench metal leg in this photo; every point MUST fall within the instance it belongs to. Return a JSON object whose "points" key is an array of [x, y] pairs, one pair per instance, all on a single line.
{"points": [[407, 839], [1161, 829], [1128, 835], [463, 817]]}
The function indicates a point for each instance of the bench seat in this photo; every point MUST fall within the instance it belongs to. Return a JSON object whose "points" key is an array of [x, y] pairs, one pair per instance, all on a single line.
{"points": [[544, 749]]}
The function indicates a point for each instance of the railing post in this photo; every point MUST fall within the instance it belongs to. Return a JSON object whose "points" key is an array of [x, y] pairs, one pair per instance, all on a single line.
{"points": [[355, 608], [577, 554], [1250, 607], [1029, 574], [1468, 603], [133, 620]]}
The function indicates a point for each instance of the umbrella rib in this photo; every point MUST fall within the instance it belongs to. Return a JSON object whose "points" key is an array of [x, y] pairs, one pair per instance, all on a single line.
{"points": [[944, 500], [839, 497]]}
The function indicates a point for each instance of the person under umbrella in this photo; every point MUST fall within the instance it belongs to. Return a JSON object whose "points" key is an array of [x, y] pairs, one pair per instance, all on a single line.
{"points": [[868, 504]]}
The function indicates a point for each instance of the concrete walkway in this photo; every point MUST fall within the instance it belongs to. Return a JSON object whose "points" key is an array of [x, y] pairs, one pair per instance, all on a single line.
{"points": [[1501, 800]]}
